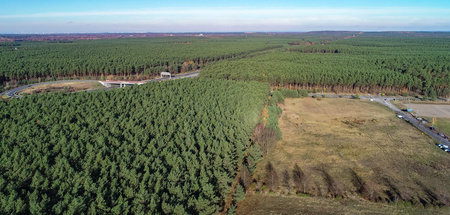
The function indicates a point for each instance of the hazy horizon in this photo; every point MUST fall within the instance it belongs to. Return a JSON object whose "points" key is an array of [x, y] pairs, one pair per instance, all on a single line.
{"points": [[223, 32], [46, 17]]}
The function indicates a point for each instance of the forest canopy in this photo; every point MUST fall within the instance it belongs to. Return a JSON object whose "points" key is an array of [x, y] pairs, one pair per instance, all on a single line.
{"points": [[119, 57], [169, 147], [368, 64]]}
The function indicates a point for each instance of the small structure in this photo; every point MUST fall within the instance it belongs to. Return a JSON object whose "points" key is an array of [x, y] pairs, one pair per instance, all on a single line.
{"points": [[120, 84], [165, 74]]}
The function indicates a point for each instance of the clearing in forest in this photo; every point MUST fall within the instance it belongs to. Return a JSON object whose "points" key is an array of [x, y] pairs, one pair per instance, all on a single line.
{"points": [[63, 87], [354, 149]]}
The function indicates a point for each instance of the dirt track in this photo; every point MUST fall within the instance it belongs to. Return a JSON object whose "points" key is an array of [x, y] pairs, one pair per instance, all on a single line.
{"points": [[430, 110]]}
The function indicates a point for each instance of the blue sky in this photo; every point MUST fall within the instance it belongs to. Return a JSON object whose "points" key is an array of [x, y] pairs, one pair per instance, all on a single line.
{"points": [[83, 16]]}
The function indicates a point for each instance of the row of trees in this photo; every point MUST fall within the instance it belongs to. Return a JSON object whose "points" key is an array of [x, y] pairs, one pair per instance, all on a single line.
{"points": [[160, 148], [120, 57], [366, 64]]}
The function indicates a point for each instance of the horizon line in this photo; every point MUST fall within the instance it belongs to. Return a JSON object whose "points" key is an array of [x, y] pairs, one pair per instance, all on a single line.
{"points": [[236, 32]]}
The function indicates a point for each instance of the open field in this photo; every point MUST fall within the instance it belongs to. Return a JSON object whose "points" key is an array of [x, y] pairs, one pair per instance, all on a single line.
{"points": [[443, 124], [349, 148], [292, 204], [63, 87], [272, 204]]}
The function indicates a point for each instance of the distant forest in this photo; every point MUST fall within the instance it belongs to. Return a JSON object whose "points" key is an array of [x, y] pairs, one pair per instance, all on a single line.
{"points": [[367, 64], [333, 61], [130, 58]]}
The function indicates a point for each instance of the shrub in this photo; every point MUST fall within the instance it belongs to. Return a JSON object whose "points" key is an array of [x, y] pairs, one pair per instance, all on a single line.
{"points": [[277, 98], [239, 193], [290, 93], [303, 93]]}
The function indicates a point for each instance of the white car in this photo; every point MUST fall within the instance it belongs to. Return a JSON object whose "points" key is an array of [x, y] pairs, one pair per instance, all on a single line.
{"points": [[442, 146]]}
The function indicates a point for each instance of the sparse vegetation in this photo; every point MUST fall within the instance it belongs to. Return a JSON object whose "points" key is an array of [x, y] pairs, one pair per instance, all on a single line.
{"points": [[343, 148], [262, 204], [63, 87]]}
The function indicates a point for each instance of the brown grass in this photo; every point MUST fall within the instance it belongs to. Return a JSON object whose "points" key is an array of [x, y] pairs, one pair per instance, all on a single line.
{"points": [[63, 87], [260, 204], [358, 148]]}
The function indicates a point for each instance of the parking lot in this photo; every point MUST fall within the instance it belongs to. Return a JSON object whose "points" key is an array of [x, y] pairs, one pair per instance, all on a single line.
{"points": [[430, 110]]}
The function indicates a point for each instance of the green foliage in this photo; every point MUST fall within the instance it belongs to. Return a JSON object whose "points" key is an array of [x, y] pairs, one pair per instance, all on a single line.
{"points": [[121, 57], [367, 63], [277, 98], [169, 147], [253, 157], [303, 93], [239, 193], [231, 210], [272, 121], [291, 93]]}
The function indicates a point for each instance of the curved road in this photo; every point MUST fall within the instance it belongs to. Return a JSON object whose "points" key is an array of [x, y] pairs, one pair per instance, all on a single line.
{"points": [[386, 101], [13, 93]]}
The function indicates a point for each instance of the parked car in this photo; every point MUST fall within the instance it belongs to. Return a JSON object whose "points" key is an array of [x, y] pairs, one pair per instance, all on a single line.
{"points": [[442, 146]]}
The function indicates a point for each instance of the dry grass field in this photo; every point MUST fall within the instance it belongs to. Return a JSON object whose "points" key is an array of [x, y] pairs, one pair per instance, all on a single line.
{"points": [[356, 149], [261, 204], [63, 87]]}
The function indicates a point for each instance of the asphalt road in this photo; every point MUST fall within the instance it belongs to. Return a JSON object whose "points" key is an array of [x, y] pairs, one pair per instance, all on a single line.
{"points": [[14, 92], [386, 101], [187, 75]]}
